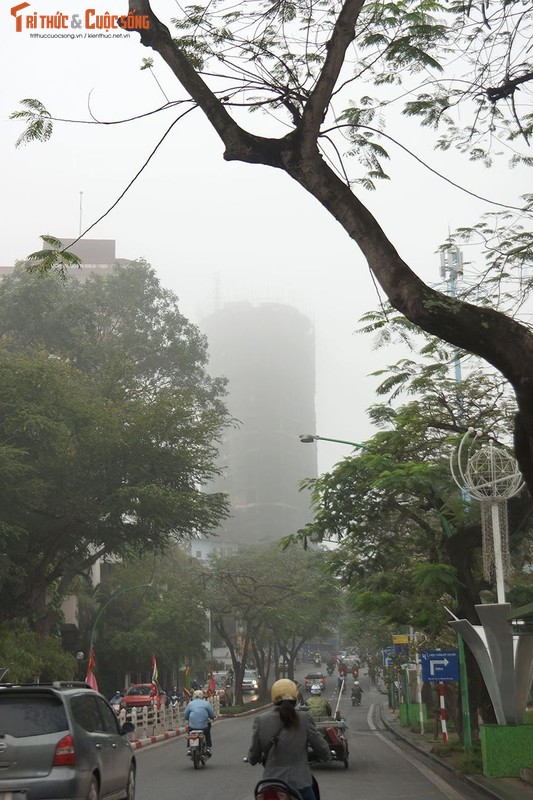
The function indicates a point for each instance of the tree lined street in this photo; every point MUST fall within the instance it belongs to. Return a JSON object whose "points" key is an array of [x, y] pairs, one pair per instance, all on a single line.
{"points": [[379, 767]]}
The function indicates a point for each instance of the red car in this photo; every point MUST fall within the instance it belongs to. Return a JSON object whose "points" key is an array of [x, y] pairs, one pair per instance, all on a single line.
{"points": [[141, 694]]}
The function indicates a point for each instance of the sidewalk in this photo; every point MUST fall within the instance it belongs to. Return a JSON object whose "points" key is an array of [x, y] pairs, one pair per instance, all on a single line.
{"points": [[496, 788]]}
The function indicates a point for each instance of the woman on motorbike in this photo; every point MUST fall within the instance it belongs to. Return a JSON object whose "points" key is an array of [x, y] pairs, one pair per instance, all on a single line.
{"points": [[280, 739]]}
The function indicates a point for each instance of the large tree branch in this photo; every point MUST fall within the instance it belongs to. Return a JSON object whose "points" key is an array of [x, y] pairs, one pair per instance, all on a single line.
{"points": [[319, 99], [507, 88], [495, 337], [240, 144]]}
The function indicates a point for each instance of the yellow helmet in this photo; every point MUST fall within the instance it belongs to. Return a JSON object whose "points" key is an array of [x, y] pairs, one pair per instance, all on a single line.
{"points": [[283, 689]]}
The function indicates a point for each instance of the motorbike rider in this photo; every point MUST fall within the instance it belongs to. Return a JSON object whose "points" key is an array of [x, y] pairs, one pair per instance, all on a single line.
{"points": [[115, 701], [199, 714], [317, 705], [280, 739], [357, 691]]}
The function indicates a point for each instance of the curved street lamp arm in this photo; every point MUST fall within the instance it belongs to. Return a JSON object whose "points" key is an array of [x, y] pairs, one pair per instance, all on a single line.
{"points": [[113, 596]]}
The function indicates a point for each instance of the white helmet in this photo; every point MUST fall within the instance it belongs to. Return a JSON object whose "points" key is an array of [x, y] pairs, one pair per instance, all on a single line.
{"points": [[198, 693], [315, 689]]}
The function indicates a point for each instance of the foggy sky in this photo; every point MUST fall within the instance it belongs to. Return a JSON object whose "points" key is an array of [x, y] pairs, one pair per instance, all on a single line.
{"points": [[215, 231]]}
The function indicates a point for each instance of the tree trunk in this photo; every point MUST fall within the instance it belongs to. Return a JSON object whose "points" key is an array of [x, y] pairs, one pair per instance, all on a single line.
{"points": [[489, 334]]}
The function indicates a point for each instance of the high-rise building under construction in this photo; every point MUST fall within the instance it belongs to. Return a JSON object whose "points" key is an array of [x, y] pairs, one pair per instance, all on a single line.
{"points": [[267, 353]]}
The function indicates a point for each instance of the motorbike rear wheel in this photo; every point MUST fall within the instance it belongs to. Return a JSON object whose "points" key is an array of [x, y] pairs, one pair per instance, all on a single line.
{"points": [[196, 758]]}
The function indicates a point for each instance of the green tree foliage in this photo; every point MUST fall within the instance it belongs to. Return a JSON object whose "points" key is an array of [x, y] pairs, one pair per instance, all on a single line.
{"points": [[166, 619], [31, 658], [264, 597], [408, 543], [108, 431]]}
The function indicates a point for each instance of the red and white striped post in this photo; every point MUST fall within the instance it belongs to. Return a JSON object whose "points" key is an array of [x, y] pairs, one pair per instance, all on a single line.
{"points": [[442, 705]]}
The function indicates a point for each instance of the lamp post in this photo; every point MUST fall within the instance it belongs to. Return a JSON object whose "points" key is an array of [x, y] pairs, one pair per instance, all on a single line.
{"points": [[308, 438], [113, 596]]}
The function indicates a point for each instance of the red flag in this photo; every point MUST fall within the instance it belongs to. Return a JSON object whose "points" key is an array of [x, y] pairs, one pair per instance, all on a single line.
{"points": [[89, 678], [155, 676], [212, 684]]}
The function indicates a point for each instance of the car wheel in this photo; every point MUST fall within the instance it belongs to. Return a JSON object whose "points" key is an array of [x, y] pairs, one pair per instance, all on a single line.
{"points": [[130, 786], [93, 789]]}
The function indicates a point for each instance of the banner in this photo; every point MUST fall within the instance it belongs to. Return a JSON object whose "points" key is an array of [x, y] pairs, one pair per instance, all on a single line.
{"points": [[187, 683], [155, 677], [89, 678]]}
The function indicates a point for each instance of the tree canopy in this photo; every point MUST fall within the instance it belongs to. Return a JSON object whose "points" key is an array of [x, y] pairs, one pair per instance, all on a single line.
{"points": [[108, 431], [263, 599], [409, 542]]}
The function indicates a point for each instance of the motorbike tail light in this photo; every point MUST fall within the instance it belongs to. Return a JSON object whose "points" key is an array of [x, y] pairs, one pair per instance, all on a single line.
{"points": [[65, 754]]}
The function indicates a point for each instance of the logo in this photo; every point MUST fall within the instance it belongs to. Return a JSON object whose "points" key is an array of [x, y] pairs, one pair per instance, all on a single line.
{"points": [[89, 19], [18, 20]]}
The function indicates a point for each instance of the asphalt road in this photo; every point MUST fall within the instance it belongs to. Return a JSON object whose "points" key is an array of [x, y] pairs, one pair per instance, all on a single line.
{"points": [[379, 768]]}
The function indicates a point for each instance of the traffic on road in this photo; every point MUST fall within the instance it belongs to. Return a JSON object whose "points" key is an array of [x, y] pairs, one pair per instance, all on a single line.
{"points": [[379, 767]]}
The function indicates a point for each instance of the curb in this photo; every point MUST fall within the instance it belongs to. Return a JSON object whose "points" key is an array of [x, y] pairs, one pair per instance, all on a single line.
{"points": [[160, 737], [477, 784]]}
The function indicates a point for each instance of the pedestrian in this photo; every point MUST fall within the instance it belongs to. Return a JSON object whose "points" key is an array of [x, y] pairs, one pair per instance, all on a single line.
{"points": [[280, 739]]}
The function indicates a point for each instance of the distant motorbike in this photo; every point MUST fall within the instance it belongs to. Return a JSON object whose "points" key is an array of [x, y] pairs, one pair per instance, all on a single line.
{"points": [[115, 702], [197, 748], [317, 661], [330, 668], [356, 697]]}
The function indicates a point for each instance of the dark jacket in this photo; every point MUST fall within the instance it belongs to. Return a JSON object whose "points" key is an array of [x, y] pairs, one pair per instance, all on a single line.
{"points": [[287, 759]]}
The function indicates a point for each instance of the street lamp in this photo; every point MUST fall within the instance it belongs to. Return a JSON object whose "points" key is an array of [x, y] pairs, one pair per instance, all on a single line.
{"points": [[113, 596], [307, 438], [90, 678]]}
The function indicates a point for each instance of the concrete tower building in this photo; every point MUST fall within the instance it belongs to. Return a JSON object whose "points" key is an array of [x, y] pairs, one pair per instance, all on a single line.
{"points": [[267, 353]]}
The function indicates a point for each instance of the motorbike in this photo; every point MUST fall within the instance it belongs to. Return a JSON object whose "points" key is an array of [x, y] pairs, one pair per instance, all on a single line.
{"points": [[115, 702], [273, 789], [356, 698], [330, 668], [197, 748], [317, 661]]}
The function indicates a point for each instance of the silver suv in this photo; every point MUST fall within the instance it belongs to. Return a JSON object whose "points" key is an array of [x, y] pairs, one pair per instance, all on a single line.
{"points": [[63, 740]]}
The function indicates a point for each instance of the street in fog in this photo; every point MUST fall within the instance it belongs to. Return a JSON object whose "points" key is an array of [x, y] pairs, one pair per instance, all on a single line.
{"points": [[379, 767]]}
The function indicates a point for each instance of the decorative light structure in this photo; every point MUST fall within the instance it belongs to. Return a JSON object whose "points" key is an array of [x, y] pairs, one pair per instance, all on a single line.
{"points": [[491, 475]]}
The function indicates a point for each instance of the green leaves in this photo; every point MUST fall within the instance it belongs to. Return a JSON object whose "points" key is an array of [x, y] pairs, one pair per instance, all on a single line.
{"points": [[109, 426], [38, 120], [53, 259]]}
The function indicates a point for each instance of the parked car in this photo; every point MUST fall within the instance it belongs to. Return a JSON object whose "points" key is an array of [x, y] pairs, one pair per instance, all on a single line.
{"points": [[63, 740], [223, 689], [313, 678], [141, 694], [250, 681]]}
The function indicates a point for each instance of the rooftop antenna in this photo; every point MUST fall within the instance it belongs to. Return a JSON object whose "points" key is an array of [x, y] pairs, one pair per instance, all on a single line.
{"points": [[81, 211]]}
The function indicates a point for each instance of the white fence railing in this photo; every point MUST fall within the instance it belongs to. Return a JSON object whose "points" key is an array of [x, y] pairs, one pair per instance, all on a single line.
{"points": [[151, 721]]}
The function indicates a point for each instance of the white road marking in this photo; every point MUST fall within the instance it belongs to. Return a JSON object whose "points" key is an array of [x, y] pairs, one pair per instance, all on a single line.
{"points": [[441, 784]]}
